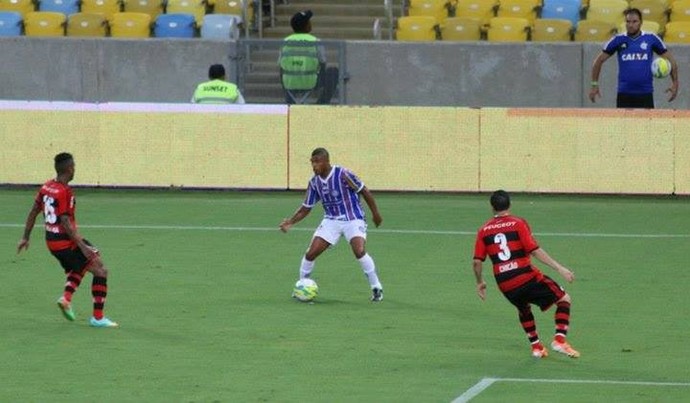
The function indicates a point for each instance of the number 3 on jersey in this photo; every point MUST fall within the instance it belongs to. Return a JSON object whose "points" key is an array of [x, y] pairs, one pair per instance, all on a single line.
{"points": [[49, 210], [502, 242]]}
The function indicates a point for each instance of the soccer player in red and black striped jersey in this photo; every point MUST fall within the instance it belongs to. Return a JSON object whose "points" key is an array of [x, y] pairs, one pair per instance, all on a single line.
{"points": [[509, 243], [75, 254]]}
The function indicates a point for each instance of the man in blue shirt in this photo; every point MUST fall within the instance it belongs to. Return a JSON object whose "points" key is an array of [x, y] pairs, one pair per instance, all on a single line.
{"points": [[636, 51], [338, 189]]}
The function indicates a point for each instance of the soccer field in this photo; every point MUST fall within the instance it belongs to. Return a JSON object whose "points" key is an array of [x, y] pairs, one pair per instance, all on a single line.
{"points": [[200, 283]]}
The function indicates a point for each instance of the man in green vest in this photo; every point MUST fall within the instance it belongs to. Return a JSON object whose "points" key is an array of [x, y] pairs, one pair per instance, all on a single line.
{"points": [[302, 63], [217, 90]]}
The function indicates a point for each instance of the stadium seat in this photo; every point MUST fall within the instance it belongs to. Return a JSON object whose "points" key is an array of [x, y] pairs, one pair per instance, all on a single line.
{"points": [[652, 10], [552, 30], [594, 31], [44, 23], [221, 26], [508, 29], [197, 8], [434, 8], [151, 7], [526, 9], [20, 6], [106, 7], [10, 23], [234, 7], [87, 25], [130, 25], [562, 10], [483, 10], [419, 29], [461, 29], [607, 11], [174, 26], [66, 7], [680, 11], [677, 32], [647, 26]]}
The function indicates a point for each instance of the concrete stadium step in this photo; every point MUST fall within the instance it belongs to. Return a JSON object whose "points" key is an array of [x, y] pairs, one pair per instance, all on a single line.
{"points": [[320, 10], [323, 33]]}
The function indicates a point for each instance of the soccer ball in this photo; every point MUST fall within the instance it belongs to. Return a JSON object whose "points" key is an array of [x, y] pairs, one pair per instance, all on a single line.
{"points": [[661, 67], [305, 290]]}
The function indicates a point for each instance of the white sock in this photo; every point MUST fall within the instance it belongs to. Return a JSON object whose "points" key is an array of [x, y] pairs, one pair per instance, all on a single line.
{"points": [[369, 269], [306, 268]]}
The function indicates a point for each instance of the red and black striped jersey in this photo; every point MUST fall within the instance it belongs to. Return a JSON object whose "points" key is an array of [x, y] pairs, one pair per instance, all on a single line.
{"points": [[508, 242], [56, 199]]}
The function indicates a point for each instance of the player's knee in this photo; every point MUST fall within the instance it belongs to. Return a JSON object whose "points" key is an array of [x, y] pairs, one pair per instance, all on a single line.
{"points": [[359, 253], [565, 298]]}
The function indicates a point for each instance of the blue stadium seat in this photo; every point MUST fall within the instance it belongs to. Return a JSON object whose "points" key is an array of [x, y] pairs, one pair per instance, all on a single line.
{"points": [[221, 26], [10, 23], [67, 7], [562, 10], [174, 26]]}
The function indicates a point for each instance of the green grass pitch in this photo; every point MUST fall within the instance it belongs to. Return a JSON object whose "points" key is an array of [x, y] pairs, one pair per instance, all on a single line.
{"points": [[200, 283]]}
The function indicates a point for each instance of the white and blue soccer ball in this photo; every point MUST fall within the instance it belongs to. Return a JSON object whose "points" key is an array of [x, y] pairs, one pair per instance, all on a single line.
{"points": [[661, 67], [305, 290]]}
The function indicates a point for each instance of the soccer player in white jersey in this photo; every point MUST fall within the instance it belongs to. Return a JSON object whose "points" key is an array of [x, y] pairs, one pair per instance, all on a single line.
{"points": [[338, 189]]}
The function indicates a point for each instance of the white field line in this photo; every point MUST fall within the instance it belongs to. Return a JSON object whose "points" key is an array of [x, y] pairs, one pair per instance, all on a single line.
{"points": [[377, 230], [484, 383]]}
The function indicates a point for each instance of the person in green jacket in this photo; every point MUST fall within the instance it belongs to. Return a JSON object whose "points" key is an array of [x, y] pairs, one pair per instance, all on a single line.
{"points": [[303, 64], [217, 90]]}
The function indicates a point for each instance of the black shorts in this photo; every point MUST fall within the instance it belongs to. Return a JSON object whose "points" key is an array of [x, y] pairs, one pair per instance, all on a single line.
{"points": [[542, 293], [640, 101], [72, 259]]}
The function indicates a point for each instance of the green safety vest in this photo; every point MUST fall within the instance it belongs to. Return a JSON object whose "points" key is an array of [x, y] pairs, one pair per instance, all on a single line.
{"points": [[299, 62], [216, 92]]}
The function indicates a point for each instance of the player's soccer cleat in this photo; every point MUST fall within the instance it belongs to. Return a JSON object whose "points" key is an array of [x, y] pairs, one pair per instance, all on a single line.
{"points": [[376, 294], [539, 351], [104, 322], [66, 308], [564, 348]]}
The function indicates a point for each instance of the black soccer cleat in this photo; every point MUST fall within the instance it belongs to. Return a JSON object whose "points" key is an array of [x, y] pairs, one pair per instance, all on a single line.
{"points": [[376, 294]]}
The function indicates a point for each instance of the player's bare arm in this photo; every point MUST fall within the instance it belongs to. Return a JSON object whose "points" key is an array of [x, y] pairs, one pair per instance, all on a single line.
{"points": [[596, 70], [481, 284], [551, 262], [28, 227], [297, 217], [673, 89], [71, 232], [371, 202]]}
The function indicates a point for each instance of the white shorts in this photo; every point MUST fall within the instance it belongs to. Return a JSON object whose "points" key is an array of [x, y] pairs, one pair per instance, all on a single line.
{"points": [[331, 230]]}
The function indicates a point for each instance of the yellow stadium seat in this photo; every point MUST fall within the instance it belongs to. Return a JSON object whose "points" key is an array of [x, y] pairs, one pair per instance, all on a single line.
{"points": [[421, 28], [151, 7], [44, 23], [197, 8], [86, 24], [607, 11], [652, 10], [552, 30], [647, 26], [483, 10], [130, 25], [594, 31], [527, 9], [680, 11], [105, 7], [434, 8], [461, 29], [508, 29], [20, 6], [677, 32]]}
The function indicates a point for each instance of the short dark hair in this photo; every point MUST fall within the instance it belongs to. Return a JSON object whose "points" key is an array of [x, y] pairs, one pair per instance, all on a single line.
{"points": [[216, 71], [633, 11], [300, 21], [62, 161], [500, 200], [320, 152]]}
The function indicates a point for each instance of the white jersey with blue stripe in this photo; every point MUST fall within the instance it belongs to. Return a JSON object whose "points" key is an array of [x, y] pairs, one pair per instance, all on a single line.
{"points": [[338, 193]]}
